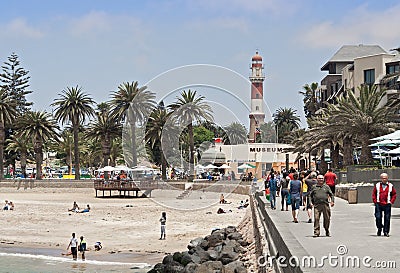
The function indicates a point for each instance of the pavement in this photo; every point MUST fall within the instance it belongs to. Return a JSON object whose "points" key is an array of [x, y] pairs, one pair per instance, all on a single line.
{"points": [[352, 247]]}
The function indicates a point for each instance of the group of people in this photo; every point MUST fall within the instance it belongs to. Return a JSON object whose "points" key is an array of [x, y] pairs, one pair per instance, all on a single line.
{"points": [[317, 192], [9, 205], [80, 246], [75, 208], [307, 189]]}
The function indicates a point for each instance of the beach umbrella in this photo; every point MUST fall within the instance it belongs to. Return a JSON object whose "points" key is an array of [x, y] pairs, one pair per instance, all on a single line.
{"points": [[142, 169], [210, 166], [224, 166], [108, 169], [391, 136], [386, 142], [245, 166], [394, 151]]}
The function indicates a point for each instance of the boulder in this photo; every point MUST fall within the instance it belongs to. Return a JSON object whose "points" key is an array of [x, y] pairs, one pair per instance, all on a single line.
{"points": [[191, 268], [203, 255], [173, 267], [213, 254], [215, 239], [158, 268], [168, 259], [195, 242], [177, 257], [210, 267], [235, 267], [234, 236]]}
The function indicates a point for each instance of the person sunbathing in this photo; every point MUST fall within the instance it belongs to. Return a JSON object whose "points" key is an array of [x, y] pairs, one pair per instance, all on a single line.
{"points": [[87, 209], [75, 207]]}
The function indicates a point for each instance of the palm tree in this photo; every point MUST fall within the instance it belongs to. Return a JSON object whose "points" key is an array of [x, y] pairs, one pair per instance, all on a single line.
{"points": [[104, 129], [40, 127], [268, 132], [74, 106], [132, 105], [155, 131], [286, 120], [189, 108], [365, 117], [235, 133], [310, 99], [21, 146], [7, 114]]}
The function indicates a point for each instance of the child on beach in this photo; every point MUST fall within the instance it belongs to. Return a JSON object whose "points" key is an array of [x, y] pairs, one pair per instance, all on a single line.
{"points": [[75, 207], [163, 220], [82, 247]]}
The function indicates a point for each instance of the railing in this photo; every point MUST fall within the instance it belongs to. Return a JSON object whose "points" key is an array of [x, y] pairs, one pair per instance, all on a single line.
{"points": [[125, 185]]}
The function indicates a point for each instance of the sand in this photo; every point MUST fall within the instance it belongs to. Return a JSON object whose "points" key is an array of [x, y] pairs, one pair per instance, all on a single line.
{"points": [[129, 228]]}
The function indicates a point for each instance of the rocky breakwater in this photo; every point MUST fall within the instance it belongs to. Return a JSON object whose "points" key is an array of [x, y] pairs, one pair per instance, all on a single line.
{"points": [[225, 250]]}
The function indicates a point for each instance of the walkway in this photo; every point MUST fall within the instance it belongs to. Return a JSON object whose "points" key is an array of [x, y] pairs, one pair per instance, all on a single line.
{"points": [[353, 234]]}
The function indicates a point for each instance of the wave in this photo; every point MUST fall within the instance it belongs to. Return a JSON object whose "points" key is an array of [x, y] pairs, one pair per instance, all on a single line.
{"points": [[69, 260]]}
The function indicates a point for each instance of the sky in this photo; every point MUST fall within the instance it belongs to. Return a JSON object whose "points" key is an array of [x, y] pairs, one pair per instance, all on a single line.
{"points": [[100, 44]]}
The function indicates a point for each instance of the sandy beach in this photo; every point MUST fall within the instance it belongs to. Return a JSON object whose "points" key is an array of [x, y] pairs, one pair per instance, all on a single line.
{"points": [[128, 228]]}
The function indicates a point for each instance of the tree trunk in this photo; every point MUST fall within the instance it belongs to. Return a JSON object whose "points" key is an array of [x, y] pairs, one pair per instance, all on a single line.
{"points": [[23, 163], [366, 155], [323, 166], [76, 149], [37, 147], [347, 152], [134, 150], [106, 147], [163, 166], [191, 147], [335, 156], [2, 140]]}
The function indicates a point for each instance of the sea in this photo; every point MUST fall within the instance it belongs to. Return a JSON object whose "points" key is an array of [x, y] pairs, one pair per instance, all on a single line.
{"points": [[32, 263]]}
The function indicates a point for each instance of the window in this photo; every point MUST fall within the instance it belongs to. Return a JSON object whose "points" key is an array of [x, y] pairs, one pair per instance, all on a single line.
{"points": [[369, 76], [257, 96], [257, 108], [392, 68]]}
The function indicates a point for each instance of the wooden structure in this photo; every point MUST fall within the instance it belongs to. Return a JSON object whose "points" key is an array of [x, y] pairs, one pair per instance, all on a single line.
{"points": [[124, 187]]}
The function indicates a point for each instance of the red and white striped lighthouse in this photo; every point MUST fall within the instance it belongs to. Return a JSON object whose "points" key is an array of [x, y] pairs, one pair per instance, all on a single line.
{"points": [[256, 115]]}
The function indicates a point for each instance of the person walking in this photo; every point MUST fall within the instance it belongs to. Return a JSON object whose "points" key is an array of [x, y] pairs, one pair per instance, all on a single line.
{"points": [[310, 181], [163, 221], [383, 196], [272, 187], [321, 197], [73, 243], [330, 179], [284, 190], [295, 191], [82, 247]]}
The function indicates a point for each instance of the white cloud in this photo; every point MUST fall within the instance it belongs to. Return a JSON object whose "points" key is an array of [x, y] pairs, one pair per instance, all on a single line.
{"points": [[99, 23], [276, 7], [19, 28], [358, 26]]}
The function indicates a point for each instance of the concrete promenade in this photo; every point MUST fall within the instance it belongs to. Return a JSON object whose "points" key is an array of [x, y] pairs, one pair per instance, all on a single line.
{"points": [[353, 238]]}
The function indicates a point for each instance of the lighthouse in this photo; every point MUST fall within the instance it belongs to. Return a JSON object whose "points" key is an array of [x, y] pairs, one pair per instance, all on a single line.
{"points": [[256, 115]]}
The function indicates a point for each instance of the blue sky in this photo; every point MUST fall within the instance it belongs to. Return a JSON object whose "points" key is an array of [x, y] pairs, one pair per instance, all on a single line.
{"points": [[100, 44]]}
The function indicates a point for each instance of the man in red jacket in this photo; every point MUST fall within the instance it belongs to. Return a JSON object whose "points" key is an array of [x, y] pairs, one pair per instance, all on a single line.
{"points": [[383, 196]]}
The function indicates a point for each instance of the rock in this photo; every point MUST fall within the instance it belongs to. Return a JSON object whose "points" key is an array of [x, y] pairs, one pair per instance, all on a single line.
{"points": [[195, 242], [227, 256], [213, 254], [188, 258], [168, 259], [230, 229], [158, 268], [191, 268], [210, 267], [234, 236], [215, 239], [173, 267], [177, 257], [202, 255], [235, 267]]}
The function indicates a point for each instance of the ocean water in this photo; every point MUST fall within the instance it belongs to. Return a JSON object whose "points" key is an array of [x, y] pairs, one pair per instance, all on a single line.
{"points": [[32, 263]]}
